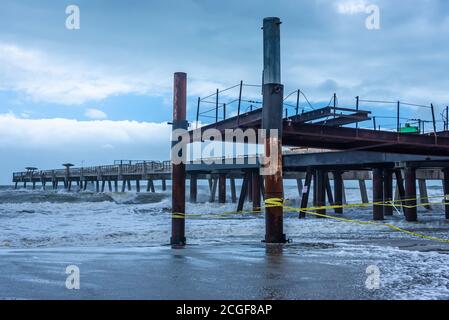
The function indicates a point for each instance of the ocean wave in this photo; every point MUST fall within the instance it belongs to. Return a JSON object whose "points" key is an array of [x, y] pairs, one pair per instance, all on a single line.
{"points": [[40, 196]]}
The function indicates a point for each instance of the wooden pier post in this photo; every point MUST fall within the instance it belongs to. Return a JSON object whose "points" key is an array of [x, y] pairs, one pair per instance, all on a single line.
{"points": [[179, 169], [222, 188], [378, 194], [338, 190], [410, 209], [193, 188], [137, 185], [115, 185], [388, 191], [272, 114], [128, 183], [164, 185], [123, 185]]}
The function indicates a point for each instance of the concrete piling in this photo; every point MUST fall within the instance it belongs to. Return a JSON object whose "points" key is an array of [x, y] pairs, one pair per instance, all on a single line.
{"points": [[222, 188], [233, 191], [423, 195], [338, 191], [446, 191], [378, 194], [256, 191], [306, 192], [193, 188], [363, 191], [410, 209], [243, 192], [388, 191]]}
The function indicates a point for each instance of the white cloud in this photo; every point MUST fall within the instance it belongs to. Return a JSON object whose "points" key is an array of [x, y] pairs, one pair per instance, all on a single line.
{"points": [[95, 114], [57, 134], [47, 78]]}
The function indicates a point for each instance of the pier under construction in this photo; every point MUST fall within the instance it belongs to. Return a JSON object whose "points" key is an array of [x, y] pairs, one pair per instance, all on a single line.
{"points": [[407, 154]]}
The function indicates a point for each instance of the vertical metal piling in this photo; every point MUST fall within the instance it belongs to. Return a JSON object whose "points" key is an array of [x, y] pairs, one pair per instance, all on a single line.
{"points": [[179, 170], [273, 95]]}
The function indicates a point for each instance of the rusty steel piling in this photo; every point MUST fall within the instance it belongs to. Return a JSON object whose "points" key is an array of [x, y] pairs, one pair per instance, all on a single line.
{"points": [[178, 169], [273, 95]]}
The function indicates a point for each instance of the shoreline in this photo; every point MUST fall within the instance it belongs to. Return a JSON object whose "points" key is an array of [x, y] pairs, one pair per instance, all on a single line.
{"points": [[299, 271]]}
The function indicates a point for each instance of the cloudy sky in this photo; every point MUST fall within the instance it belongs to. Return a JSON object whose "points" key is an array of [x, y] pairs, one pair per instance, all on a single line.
{"points": [[103, 92]]}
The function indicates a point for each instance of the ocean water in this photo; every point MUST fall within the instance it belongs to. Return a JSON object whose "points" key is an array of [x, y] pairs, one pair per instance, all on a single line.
{"points": [[31, 219]]}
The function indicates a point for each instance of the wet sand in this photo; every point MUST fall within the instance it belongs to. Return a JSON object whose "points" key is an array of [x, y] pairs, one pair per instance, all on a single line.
{"points": [[247, 271]]}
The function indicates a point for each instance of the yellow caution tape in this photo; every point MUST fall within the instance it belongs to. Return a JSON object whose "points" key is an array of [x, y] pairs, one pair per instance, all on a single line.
{"points": [[278, 202]]}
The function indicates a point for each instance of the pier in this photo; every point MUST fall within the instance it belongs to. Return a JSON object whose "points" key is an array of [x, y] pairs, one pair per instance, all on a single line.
{"points": [[404, 157]]}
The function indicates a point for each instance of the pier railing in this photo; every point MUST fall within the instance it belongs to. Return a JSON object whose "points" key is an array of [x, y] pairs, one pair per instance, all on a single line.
{"points": [[125, 168]]}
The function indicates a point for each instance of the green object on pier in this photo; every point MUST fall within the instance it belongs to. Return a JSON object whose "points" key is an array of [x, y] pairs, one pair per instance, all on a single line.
{"points": [[409, 129]]}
